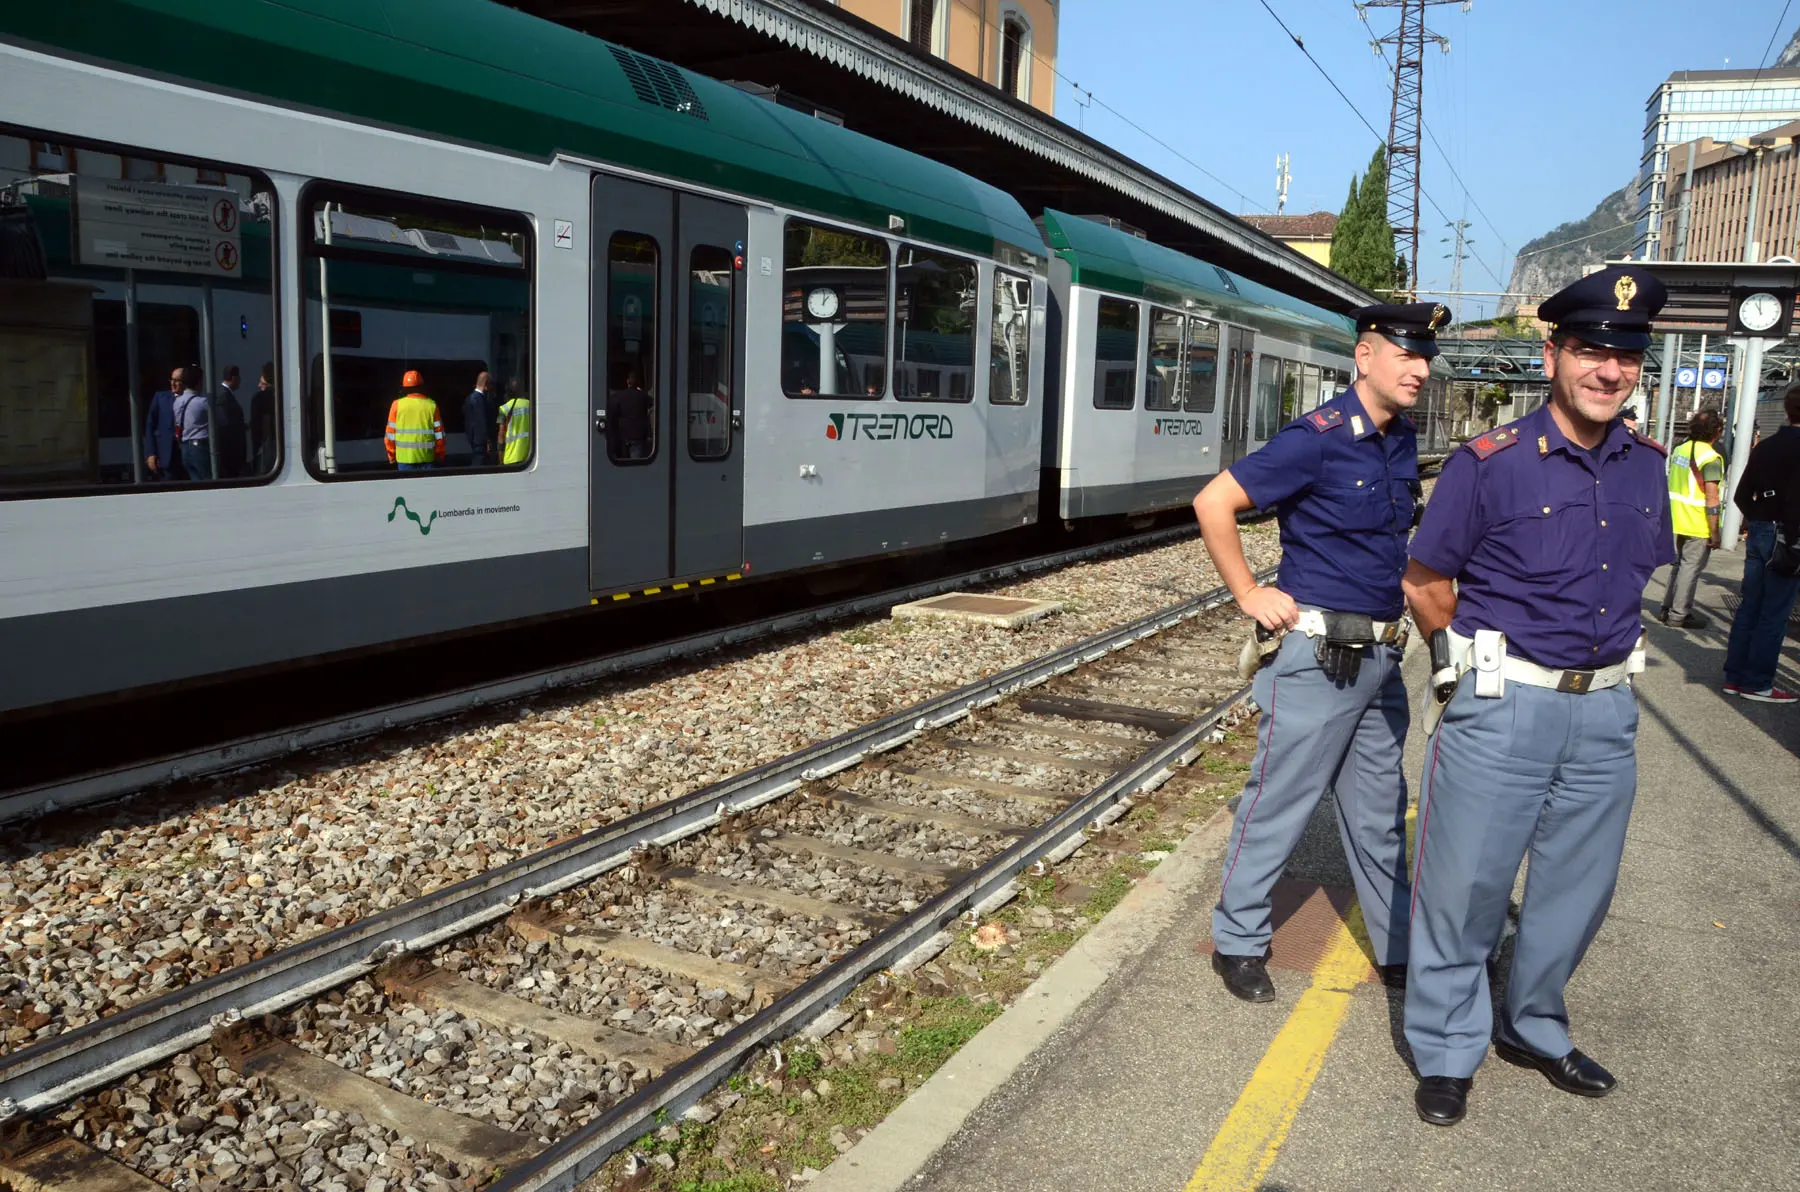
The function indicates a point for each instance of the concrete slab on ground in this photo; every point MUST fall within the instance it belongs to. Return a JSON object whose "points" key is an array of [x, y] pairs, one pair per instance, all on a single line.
{"points": [[1690, 995]]}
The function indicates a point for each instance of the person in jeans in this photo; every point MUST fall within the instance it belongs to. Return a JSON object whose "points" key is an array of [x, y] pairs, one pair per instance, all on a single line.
{"points": [[1769, 497], [1695, 471]]}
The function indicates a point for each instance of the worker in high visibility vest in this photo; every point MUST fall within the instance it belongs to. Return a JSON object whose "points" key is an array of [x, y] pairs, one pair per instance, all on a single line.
{"points": [[515, 424], [415, 433], [1695, 472]]}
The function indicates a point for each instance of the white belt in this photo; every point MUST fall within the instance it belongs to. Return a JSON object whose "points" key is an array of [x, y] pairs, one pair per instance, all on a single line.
{"points": [[1465, 657], [1311, 622]]}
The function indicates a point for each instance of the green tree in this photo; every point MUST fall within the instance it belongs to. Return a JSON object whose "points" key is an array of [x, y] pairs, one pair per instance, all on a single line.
{"points": [[1362, 249]]}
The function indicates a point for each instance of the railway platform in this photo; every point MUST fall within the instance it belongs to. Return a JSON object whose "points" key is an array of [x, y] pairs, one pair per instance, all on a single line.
{"points": [[1129, 1067]]}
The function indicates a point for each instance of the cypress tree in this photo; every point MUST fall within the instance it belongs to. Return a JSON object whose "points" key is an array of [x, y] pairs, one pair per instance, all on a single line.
{"points": [[1362, 247], [1348, 229]]}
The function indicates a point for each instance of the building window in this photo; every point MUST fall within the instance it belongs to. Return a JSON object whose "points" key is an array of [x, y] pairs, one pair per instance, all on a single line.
{"points": [[49, 157], [926, 28], [1015, 53]]}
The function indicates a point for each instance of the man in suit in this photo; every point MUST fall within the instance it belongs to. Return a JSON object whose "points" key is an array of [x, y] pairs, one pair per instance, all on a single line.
{"points": [[160, 450], [264, 418], [478, 423], [230, 414]]}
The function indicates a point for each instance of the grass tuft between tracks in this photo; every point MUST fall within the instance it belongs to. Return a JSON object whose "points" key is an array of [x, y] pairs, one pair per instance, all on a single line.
{"points": [[779, 1124]]}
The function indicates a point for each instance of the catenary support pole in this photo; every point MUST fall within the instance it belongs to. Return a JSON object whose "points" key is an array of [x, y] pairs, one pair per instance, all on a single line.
{"points": [[1665, 399], [1743, 427]]}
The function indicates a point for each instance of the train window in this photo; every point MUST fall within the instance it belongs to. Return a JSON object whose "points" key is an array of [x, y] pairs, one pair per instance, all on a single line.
{"points": [[1165, 380], [137, 317], [1312, 391], [1202, 366], [834, 313], [1009, 359], [633, 299], [1115, 355], [1268, 397], [935, 341], [712, 283], [418, 320]]}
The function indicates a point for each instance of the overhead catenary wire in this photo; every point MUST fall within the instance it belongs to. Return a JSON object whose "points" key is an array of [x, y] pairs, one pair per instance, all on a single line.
{"points": [[1435, 206], [1050, 65]]}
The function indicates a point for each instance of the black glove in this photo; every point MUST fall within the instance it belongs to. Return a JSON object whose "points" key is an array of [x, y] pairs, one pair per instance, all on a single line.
{"points": [[1340, 649]]}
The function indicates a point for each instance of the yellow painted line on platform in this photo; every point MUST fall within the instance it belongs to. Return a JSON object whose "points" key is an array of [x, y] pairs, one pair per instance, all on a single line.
{"points": [[1246, 1145]]}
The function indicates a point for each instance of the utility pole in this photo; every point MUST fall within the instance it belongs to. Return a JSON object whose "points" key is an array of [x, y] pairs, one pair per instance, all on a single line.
{"points": [[1406, 119], [1282, 178], [1460, 227]]}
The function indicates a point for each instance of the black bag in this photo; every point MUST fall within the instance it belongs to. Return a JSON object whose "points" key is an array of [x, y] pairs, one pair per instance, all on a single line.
{"points": [[1784, 560]]}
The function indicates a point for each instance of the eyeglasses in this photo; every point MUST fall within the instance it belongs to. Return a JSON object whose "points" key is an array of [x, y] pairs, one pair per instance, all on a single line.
{"points": [[1588, 358]]}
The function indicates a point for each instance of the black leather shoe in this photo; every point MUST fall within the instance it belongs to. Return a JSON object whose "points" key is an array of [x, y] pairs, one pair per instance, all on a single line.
{"points": [[1393, 976], [1442, 1100], [1245, 976], [1572, 1073]]}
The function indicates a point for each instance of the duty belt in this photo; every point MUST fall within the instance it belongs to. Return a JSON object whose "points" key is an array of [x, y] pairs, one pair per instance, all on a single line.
{"points": [[1388, 633], [1490, 658]]}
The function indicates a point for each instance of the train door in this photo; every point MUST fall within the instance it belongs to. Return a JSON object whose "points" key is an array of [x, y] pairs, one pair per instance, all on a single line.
{"points": [[709, 370], [665, 479], [1234, 434]]}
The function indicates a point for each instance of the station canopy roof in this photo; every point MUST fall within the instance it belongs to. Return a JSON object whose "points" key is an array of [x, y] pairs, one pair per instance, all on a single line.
{"points": [[486, 74], [1106, 258]]}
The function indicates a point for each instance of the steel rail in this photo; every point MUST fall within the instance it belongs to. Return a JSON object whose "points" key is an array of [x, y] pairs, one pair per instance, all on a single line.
{"points": [[94, 1054], [261, 748], [566, 1163]]}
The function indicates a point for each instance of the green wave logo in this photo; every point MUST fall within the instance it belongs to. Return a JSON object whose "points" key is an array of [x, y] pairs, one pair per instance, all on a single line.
{"points": [[424, 523]]}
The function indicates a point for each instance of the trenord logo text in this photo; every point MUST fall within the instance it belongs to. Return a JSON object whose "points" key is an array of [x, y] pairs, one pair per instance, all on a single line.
{"points": [[888, 427]]}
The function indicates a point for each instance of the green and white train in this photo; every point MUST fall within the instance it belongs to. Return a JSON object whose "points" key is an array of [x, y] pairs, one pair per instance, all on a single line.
{"points": [[754, 343]]}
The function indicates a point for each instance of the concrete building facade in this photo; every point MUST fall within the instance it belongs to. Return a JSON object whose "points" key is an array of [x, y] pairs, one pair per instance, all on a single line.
{"points": [[1010, 44], [1724, 105], [1726, 176]]}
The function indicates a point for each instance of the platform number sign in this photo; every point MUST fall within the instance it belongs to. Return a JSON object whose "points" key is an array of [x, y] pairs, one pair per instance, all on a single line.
{"points": [[1687, 377]]}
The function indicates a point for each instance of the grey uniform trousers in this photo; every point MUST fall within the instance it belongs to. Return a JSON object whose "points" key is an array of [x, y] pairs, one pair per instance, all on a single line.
{"points": [[1316, 734], [1540, 771], [1690, 560]]}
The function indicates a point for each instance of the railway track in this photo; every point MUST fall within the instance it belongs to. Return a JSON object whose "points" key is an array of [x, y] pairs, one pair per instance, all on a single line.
{"points": [[114, 781], [518, 1029]]}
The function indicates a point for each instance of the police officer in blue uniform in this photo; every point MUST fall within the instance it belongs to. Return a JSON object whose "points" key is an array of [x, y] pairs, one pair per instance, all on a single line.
{"points": [[1344, 482], [1550, 527]]}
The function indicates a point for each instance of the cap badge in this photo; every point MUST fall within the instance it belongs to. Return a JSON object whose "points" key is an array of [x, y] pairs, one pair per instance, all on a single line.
{"points": [[1438, 315], [1625, 289]]}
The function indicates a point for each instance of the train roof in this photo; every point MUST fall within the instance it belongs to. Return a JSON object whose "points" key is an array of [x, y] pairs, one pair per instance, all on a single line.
{"points": [[1106, 258], [481, 73]]}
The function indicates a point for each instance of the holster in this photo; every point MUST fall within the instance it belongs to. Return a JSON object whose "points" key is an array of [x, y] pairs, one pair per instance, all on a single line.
{"points": [[1259, 650]]}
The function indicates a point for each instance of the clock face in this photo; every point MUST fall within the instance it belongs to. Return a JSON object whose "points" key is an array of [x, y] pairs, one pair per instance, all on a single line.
{"points": [[1759, 312], [822, 303]]}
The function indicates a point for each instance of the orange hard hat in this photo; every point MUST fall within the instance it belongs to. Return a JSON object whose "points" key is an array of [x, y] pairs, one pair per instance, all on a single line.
{"points": [[412, 380]]}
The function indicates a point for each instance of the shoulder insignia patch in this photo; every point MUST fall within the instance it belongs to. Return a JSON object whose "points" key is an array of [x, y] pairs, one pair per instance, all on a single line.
{"points": [[1494, 440], [1650, 443], [1322, 420]]}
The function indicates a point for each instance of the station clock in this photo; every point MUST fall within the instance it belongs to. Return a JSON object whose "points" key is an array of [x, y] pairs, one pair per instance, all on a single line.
{"points": [[1763, 313]]}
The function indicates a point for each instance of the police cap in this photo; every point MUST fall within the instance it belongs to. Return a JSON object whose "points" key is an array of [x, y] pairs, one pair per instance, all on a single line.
{"points": [[1609, 309], [1412, 325]]}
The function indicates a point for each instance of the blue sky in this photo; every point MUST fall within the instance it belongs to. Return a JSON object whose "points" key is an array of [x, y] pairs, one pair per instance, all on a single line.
{"points": [[1539, 104]]}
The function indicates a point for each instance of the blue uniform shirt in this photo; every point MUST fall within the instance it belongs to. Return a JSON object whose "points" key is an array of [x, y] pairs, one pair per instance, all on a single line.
{"points": [[1550, 544], [1343, 492]]}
